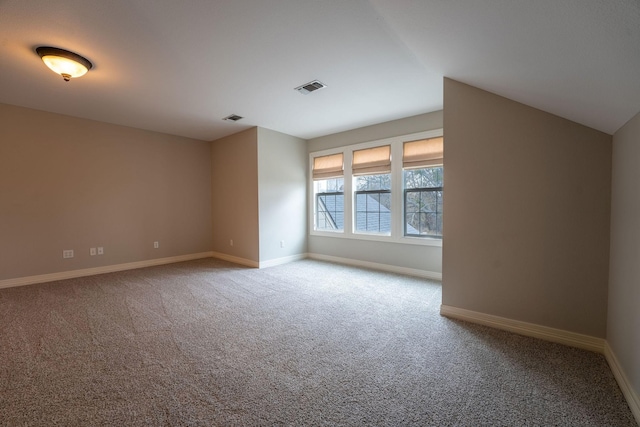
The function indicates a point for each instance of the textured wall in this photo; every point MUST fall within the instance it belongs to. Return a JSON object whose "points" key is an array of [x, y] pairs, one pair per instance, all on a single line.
{"points": [[69, 183], [623, 326], [527, 213]]}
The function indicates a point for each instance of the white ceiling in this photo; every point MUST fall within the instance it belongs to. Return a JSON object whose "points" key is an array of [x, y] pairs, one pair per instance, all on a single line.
{"points": [[179, 67]]}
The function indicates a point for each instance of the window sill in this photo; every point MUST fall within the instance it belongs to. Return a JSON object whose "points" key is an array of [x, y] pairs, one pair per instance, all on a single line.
{"points": [[404, 240]]}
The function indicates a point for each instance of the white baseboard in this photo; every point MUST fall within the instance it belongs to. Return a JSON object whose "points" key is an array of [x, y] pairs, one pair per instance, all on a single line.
{"points": [[377, 266], [236, 260], [560, 336], [625, 385], [51, 277], [282, 260]]}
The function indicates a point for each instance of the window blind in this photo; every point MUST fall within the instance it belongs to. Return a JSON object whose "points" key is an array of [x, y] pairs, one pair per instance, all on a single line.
{"points": [[331, 166], [372, 160], [423, 153]]}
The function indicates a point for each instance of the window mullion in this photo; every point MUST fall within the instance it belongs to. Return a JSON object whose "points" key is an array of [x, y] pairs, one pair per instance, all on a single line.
{"points": [[349, 214], [397, 209]]}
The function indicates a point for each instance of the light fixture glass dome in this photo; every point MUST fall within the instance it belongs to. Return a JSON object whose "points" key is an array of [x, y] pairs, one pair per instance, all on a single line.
{"points": [[68, 64]]}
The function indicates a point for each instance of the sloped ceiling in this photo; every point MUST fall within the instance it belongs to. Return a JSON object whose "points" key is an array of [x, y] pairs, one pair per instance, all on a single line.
{"points": [[180, 67]]}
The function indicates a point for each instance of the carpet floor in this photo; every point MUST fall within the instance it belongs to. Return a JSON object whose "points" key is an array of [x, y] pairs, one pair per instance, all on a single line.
{"points": [[210, 343]]}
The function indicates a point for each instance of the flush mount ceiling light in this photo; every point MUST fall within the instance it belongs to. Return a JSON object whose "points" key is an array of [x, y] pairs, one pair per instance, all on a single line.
{"points": [[68, 64]]}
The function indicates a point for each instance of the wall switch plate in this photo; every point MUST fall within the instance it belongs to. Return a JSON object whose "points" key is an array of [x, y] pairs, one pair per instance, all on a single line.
{"points": [[231, 242], [156, 245], [100, 250], [92, 251], [67, 253], [282, 243]]}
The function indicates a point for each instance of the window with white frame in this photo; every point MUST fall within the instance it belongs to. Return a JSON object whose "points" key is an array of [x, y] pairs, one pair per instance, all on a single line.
{"points": [[328, 192], [387, 190], [422, 176], [371, 171]]}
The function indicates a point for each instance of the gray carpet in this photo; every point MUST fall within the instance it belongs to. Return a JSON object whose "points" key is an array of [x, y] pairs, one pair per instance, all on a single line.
{"points": [[208, 343]]}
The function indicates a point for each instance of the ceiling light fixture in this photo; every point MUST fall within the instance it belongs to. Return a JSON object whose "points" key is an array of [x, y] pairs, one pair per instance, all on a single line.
{"points": [[68, 64]]}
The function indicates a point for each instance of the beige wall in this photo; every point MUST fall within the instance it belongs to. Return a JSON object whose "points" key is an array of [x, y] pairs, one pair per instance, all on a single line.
{"points": [[623, 325], [234, 196], [415, 257], [282, 189], [527, 196], [69, 183]]}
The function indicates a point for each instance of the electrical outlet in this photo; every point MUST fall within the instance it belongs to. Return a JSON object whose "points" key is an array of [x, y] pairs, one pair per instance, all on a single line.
{"points": [[282, 243], [231, 242], [100, 250], [92, 251], [67, 253], [156, 245]]}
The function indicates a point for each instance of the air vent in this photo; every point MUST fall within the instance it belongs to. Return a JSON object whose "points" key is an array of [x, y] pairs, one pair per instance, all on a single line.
{"points": [[307, 88], [233, 118]]}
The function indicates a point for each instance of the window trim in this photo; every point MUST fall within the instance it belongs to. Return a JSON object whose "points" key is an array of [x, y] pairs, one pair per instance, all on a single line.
{"points": [[397, 192]]}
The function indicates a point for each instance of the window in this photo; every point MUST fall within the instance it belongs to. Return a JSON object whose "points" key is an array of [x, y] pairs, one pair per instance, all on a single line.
{"points": [[329, 194], [422, 176], [328, 190], [371, 170], [388, 190], [373, 203], [423, 202]]}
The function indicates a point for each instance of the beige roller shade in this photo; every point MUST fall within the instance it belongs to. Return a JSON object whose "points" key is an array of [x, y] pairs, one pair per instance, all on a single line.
{"points": [[331, 166], [422, 153], [372, 160]]}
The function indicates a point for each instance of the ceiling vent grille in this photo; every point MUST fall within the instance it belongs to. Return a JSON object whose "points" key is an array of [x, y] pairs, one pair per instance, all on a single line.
{"points": [[233, 118], [307, 88]]}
